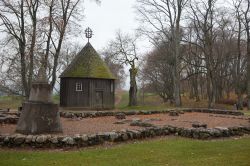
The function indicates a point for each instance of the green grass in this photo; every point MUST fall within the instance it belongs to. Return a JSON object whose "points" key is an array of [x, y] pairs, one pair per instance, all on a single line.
{"points": [[12, 102], [246, 112], [124, 100], [151, 102], [154, 102], [167, 151]]}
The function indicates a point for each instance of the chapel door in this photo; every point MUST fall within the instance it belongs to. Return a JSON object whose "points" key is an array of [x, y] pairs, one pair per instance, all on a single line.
{"points": [[99, 99]]}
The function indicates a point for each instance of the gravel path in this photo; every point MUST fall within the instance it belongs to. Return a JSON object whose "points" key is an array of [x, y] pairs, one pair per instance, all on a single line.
{"points": [[106, 124]]}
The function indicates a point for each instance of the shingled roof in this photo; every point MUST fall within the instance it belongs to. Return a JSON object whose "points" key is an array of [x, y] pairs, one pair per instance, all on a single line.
{"points": [[88, 64]]}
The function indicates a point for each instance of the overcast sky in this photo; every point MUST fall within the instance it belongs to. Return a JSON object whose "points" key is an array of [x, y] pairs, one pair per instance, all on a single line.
{"points": [[108, 17]]}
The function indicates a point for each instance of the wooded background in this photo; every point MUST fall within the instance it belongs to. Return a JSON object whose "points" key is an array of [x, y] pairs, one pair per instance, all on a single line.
{"points": [[201, 47]]}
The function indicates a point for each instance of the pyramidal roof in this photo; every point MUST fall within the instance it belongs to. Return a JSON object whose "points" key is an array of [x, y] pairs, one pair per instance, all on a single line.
{"points": [[88, 64]]}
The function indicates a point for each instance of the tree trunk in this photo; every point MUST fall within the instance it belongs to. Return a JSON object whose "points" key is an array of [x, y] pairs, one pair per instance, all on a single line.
{"points": [[191, 95], [238, 65], [133, 87], [248, 55], [56, 57], [31, 54], [248, 71], [49, 35], [210, 91], [196, 90], [22, 45], [176, 77]]}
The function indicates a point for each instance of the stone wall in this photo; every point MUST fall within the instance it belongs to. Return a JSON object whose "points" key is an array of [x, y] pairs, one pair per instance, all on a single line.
{"points": [[93, 114], [82, 140], [8, 118], [13, 117], [52, 141]]}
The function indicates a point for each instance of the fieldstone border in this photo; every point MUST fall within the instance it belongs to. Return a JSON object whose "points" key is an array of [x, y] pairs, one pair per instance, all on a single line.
{"points": [[94, 114], [12, 118], [149, 130], [82, 140], [8, 118]]}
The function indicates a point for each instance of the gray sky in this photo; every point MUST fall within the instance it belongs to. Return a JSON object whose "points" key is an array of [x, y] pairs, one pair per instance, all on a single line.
{"points": [[108, 17]]}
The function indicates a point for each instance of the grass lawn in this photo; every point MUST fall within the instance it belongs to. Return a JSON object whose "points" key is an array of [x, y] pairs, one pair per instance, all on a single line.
{"points": [[151, 102], [12, 102], [246, 112], [166, 151], [154, 102]]}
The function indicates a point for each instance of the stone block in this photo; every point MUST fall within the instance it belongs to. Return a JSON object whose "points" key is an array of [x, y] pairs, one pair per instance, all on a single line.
{"points": [[39, 118]]}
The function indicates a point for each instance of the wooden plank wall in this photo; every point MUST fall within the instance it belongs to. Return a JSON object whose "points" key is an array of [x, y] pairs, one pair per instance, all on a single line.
{"points": [[69, 97]]}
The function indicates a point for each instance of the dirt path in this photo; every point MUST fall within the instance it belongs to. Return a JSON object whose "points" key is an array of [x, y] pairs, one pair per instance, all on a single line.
{"points": [[107, 124]]}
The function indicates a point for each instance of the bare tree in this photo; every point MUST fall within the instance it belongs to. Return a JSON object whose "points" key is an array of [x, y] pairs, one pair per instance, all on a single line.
{"points": [[203, 20], [30, 25], [124, 50], [237, 74], [246, 13], [157, 73], [165, 16], [66, 9], [16, 29], [116, 68]]}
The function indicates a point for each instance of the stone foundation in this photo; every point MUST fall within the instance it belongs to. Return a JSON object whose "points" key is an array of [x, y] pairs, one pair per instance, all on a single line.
{"points": [[53, 141], [38, 114], [93, 114], [38, 118]]}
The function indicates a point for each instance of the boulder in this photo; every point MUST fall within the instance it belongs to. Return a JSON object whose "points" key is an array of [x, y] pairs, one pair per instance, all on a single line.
{"points": [[134, 133], [224, 131], [94, 139], [5, 110], [28, 139], [136, 119], [199, 125], [181, 112], [113, 136], [173, 113], [215, 133], [41, 139], [54, 140], [84, 138], [124, 136], [6, 140], [120, 116], [68, 141], [19, 139], [204, 135], [3, 119], [141, 124]]}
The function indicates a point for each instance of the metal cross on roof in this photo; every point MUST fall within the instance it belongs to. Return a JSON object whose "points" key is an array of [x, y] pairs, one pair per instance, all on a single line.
{"points": [[88, 33]]}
